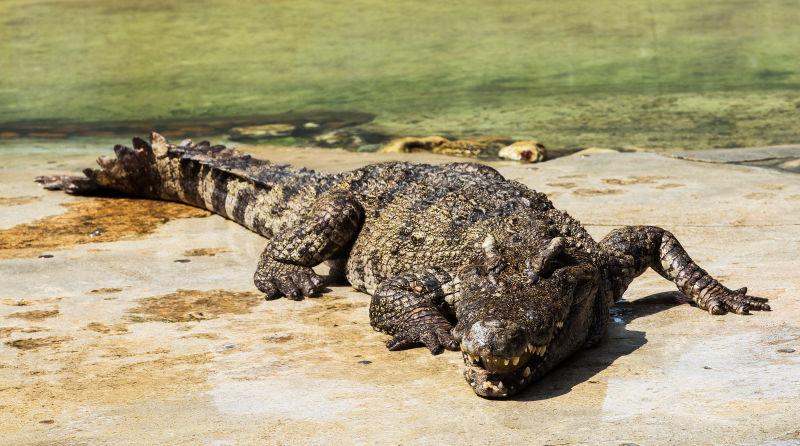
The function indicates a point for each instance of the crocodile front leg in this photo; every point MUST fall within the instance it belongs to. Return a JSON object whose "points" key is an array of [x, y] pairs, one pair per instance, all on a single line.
{"points": [[322, 234], [408, 307], [632, 249]]}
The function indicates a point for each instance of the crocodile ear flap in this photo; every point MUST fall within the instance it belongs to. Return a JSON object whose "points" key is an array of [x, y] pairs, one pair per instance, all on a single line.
{"points": [[540, 264]]}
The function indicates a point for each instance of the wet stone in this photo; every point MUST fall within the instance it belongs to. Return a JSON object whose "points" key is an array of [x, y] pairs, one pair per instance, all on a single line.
{"points": [[122, 218], [193, 305], [525, 151], [351, 138], [256, 132], [34, 315]]}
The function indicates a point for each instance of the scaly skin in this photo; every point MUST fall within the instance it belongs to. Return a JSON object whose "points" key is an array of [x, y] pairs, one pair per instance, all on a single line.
{"points": [[454, 256]]}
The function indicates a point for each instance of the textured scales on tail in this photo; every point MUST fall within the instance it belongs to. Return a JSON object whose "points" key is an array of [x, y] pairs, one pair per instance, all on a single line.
{"points": [[455, 256], [254, 193]]}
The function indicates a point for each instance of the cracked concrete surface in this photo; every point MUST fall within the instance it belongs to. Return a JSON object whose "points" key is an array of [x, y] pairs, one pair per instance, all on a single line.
{"points": [[156, 336]]}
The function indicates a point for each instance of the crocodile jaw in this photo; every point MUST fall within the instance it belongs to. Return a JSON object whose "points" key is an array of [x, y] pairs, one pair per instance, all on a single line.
{"points": [[500, 377], [501, 383]]}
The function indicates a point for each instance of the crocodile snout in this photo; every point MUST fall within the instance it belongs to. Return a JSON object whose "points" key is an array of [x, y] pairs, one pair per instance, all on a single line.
{"points": [[495, 337]]}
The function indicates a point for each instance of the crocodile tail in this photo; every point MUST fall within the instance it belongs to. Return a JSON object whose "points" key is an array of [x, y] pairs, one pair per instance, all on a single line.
{"points": [[252, 192]]}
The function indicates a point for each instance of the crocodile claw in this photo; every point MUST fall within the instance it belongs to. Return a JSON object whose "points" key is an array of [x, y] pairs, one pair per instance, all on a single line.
{"points": [[292, 281], [433, 334], [735, 301]]}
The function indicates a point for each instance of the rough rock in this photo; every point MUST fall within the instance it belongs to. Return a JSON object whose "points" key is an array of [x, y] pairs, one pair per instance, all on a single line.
{"points": [[256, 132], [485, 147], [350, 138], [413, 144], [526, 151]]}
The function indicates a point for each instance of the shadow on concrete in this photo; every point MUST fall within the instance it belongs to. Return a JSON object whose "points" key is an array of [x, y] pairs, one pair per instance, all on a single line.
{"points": [[620, 341]]}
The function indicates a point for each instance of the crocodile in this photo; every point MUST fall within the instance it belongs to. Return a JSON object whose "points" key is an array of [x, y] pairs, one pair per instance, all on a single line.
{"points": [[454, 256]]}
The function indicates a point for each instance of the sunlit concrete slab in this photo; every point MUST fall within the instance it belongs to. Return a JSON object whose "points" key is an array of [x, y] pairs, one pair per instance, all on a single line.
{"points": [[150, 330]]}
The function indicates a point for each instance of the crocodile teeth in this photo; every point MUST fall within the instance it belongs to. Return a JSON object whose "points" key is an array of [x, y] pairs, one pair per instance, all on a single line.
{"points": [[560, 324], [542, 350], [500, 384], [527, 372], [515, 360], [506, 361], [531, 348]]}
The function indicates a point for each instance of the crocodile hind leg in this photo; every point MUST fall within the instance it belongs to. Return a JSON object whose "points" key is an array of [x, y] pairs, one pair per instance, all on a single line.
{"points": [[321, 234], [630, 250], [407, 307]]}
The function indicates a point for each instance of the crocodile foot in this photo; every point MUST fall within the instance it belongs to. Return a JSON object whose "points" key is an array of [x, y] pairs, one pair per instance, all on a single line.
{"points": [[721, 300], [428, 328], [292, 281]]}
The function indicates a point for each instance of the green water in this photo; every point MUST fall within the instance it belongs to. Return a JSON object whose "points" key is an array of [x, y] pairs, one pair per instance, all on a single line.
{"points": [[680, 73]]}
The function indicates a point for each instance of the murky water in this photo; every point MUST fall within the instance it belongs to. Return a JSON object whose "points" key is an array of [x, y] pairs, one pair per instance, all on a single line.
{"points": [[569, 73]]}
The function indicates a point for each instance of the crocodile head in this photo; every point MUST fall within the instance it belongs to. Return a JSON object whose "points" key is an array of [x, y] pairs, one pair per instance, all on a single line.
{"points": [[519, 313]]}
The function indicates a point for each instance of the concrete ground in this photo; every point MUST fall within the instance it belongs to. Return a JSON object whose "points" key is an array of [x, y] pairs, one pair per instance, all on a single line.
{"points": [[123, 322]]}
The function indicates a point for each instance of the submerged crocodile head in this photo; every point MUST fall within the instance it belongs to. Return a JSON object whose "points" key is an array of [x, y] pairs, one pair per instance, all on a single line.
{"points": [[520, 314]]}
